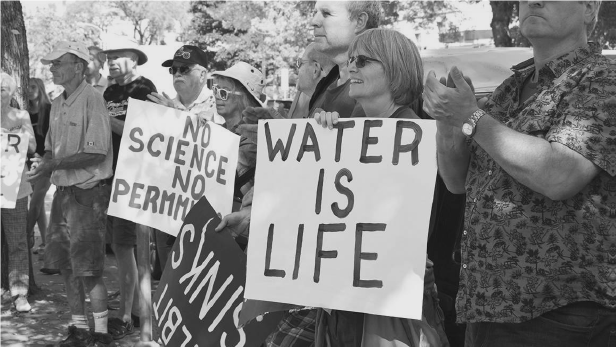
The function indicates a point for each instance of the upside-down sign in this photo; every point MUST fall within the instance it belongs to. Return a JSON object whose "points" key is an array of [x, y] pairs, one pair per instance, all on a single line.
{"points": [[200, 295]]}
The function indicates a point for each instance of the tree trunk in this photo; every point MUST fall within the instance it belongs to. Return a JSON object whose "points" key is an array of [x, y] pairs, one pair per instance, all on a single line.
{"points": [[502, 12], [15, 62]]}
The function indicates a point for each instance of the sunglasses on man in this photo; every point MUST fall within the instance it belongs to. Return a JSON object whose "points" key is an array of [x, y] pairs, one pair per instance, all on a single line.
{"points": [[222, 93], [360, 60], [184, 69]]}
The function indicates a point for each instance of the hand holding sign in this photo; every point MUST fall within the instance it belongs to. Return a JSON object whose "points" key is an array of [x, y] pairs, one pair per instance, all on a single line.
{"points": [[326, 119]]}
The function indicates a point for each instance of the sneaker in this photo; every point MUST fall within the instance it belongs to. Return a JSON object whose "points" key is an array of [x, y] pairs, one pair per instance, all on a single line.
{"points": [[101, 340], [22, 304], [119, 328], [76, 337]]}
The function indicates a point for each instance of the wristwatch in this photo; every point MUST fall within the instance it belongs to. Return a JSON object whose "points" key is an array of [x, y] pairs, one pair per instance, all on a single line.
{"points": [[470, 126]]}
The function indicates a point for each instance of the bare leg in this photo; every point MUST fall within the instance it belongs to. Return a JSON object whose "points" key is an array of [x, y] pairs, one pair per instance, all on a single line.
{"points": [[98, 292], [127, 267]]}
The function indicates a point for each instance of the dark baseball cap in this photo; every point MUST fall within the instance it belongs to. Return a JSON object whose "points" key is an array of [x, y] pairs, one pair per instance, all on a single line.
{"points": [[188, 54]]}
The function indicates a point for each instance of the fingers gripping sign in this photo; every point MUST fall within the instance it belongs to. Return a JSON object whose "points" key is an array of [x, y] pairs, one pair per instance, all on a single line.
{"points": [[451, 102], [326, 119]]}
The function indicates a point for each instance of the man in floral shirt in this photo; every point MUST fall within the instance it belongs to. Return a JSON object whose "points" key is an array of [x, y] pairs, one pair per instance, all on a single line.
{"points": [[537, 164]]}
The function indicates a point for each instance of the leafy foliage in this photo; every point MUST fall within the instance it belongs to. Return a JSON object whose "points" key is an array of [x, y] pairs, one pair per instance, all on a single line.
{"points": [[150, 19]]}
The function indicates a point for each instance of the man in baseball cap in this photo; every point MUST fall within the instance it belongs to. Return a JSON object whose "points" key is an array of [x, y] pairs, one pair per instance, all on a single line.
{"points": [[78, 49], [78, 157], [189, 70]]}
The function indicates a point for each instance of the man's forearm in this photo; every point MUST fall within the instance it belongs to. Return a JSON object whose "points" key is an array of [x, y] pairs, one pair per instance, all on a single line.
{"points": [[76, 161], [117, 126], [453, 158], [549, 168]]}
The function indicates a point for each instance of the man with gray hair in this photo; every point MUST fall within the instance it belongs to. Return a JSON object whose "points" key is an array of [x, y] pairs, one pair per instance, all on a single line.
{"points": [[78, 157], [536, 162], [311, 67]]}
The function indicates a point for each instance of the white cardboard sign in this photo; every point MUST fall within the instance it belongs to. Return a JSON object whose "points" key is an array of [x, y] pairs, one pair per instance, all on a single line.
{"points": [[14, 151], [168, 160], [340, 217]]}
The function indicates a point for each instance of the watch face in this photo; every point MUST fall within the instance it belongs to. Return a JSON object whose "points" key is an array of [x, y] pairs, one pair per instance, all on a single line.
{"points": [[467, 129]]}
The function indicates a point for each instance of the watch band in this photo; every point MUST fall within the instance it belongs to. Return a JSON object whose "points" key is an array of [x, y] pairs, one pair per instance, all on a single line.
{"points": [[472, 122]]}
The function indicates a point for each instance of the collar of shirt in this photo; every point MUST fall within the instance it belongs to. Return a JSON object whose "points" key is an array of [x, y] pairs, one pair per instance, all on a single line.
{"points": [[71, 99], [205, 94], [559, 65]]}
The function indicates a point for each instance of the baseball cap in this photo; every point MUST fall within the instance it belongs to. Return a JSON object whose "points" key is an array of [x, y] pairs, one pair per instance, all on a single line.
{"points": [[77, 48], [188, 54], [250, 77]]}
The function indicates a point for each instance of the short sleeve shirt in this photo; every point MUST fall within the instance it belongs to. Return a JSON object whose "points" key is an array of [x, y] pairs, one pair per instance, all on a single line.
{"points": [[522, 253], [116, 96], [80, 124]]}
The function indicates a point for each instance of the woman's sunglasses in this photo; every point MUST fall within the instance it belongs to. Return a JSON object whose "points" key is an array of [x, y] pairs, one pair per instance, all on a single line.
{"points": [[222, 93], [360, 60], [184, 69]]}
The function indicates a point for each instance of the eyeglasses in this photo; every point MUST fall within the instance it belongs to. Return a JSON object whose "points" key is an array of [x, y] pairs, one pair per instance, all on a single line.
{"points": [[57, 63], [360, 60], [222, 93], [299, 62], [184, 69]]}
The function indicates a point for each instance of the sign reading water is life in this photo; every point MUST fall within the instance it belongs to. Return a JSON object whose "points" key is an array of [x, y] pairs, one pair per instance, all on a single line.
{"points": [[340, 217]]}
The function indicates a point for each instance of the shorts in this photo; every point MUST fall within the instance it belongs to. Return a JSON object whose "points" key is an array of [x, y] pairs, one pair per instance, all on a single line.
{"points": [[121, 231], [75, 238]]}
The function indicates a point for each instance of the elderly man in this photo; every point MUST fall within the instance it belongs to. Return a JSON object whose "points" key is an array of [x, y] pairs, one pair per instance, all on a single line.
{"points": [[537, 165], [189, 70], [93, 73], [78, 156], [311, 67], [122, 234]]}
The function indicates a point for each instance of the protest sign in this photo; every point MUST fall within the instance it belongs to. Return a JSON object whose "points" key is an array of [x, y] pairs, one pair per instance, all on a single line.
{"points": [[340, 217], [14, 150], [168, 160], [200, 294]]}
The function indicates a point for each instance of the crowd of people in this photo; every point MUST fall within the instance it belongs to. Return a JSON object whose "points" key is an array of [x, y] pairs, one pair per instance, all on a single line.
{"points": [[524, 187]]}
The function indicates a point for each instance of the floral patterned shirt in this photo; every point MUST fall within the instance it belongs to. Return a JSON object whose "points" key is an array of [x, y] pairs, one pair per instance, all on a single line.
{"points": [[522, 253]]}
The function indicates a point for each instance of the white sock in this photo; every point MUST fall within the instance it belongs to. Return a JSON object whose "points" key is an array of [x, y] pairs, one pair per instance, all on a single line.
{"points": [[100, 321], [80, 321]]}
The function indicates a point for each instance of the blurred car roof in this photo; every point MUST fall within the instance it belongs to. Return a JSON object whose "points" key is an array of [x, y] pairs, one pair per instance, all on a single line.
{"points": [[487, 67]]}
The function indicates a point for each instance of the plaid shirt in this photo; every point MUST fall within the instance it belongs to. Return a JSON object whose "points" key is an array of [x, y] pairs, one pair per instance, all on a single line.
{"points": [[522, 253], [296, 329]]}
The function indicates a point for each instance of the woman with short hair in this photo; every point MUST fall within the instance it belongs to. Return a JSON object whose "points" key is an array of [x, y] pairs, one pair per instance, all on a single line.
{"points": [[386, 73], [14, 220]]}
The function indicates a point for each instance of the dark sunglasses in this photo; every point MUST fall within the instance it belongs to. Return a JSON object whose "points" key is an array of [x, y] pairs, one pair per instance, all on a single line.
{"points": [[360, 60], [184, 69], [222, 93]]}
